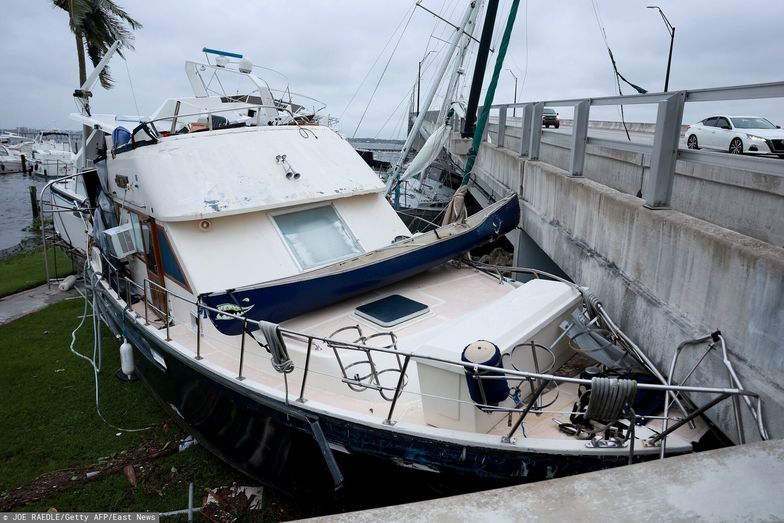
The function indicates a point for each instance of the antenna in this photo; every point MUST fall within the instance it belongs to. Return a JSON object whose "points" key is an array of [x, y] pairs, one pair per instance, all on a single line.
{"points": [[83, 93]]}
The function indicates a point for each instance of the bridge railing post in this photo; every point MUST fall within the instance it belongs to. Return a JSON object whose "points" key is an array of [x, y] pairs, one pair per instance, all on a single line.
{"points": [[582, 111], [657, 192], [501, 126], [536, 131], [525, 129]]}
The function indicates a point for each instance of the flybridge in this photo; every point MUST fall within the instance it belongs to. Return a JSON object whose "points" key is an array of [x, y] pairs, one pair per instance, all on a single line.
{"points": [[227, 94]]}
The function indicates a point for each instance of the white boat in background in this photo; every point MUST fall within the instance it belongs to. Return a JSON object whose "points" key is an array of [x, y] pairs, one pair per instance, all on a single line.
{"points": [[52, 155], [10, 160], [16, 142], [278, 308]]}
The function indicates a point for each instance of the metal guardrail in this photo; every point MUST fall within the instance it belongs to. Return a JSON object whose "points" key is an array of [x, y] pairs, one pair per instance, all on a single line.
{"points": [[52, 209], [664, 152], [208, 113], [480, 372]]}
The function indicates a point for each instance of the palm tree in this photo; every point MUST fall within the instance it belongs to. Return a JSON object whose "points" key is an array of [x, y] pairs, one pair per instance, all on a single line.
{"points": [[97, 24]]}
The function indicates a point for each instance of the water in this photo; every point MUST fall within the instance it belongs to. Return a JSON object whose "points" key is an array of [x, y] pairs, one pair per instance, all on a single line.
{"points": [[16, 212], [383, 150]]}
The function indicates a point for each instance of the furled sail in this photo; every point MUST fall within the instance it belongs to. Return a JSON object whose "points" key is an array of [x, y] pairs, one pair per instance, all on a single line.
{"points": [[428, 153]]}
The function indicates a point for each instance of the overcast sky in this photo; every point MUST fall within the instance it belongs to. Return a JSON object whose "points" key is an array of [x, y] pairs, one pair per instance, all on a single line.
{"points": [[327, 48]]}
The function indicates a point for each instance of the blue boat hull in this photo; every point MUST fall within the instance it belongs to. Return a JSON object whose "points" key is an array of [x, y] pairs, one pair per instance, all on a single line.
{"points": [[277, 303]]}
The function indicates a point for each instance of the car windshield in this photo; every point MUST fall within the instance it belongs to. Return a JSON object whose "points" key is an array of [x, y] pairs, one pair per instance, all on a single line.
{"points": [[752, 123], [549, 111]]}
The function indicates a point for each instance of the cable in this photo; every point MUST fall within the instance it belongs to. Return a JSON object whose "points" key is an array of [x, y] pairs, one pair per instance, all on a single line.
{"points": [[403, 32], [395, 111], [353, 96], [400, 124], [133, 91], [618, 76], [96, 342]]}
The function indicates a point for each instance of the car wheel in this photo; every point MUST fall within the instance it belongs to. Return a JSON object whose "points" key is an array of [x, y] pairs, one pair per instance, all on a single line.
{"points": [[557, 125], [736, 146], [692, 143], [547, 126]]}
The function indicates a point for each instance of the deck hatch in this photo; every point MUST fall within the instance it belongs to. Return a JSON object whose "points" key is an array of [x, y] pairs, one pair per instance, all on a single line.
{"points": [[391, 310]]}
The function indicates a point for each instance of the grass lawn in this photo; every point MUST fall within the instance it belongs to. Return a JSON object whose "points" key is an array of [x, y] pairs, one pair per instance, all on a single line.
{"points": [[26, 270], [49, 423]]}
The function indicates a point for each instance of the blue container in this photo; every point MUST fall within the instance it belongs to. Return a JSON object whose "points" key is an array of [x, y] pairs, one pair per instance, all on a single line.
{"points": [[495, 390], [120, 137]]}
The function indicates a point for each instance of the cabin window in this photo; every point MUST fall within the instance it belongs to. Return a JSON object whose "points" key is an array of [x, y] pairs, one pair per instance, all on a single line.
{"points": [[137, 231], [317, 236], [169, 260]]}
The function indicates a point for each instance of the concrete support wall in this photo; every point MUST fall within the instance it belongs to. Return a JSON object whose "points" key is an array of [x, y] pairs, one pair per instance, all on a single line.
{"points": [[664, 275]]}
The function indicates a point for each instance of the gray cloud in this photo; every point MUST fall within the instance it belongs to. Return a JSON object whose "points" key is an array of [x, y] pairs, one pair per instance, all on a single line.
{"points": [[326, 48]]}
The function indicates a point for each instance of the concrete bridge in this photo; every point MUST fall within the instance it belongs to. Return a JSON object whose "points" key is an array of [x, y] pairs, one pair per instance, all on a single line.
{"points": [[677, 243]]}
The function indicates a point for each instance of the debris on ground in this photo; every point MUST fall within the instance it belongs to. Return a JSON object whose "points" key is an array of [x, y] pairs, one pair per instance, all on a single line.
{"points": [[497, 256], [130, 474], [188, 443], [230, 504], [47, 484]]}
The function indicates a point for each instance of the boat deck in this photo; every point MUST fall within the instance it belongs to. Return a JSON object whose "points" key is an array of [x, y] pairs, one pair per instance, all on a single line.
{"points": [[448, 302]]}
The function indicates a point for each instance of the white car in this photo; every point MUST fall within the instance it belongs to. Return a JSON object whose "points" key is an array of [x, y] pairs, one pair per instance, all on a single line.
{"points": [[737, 135]]}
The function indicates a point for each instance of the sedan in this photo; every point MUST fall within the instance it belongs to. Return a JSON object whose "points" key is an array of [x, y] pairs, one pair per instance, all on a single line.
{"points": [[737, 135]]}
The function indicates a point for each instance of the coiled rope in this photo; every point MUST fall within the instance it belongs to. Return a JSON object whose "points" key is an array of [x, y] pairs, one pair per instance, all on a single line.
{"points": [[610, 398], [277, 347]]}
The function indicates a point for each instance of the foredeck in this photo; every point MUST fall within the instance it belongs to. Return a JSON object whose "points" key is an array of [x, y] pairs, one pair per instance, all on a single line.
{"points": [[449, 292]]}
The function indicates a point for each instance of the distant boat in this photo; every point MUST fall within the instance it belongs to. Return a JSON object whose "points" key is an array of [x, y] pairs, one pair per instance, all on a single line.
{"points": [[422, 188], [10, 160], [15, 142], [278, 308], [51, 155]]}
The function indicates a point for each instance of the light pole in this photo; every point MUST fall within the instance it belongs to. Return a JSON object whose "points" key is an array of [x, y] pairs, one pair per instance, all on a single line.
{"points": [[514, 109], [671, 30], [419, 76]]}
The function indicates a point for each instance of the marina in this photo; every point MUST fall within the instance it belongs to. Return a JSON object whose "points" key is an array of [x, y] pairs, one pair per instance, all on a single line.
{"points": [[17, 211], [477, 302]]}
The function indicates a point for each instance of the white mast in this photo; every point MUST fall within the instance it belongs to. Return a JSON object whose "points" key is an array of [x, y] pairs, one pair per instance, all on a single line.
{"points": [[453, 44], [457, 68]]}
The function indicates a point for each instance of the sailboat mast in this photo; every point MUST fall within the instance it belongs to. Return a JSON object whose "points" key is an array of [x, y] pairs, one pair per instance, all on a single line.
{"points": [[485, 116], [457, 68], [479, 68], [395, 174]]}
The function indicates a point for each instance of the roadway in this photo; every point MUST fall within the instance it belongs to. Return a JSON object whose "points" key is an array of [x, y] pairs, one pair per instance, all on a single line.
{"points": [[612, 134], [641, 137]]}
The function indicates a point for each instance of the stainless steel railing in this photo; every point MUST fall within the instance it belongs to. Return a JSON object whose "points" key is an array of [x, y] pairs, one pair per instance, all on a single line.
{"points": [[50, 208], [734, 390], [208, 113]]}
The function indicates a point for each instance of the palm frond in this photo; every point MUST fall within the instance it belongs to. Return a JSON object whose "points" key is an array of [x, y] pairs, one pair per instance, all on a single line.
{"points": [[100, 23]]}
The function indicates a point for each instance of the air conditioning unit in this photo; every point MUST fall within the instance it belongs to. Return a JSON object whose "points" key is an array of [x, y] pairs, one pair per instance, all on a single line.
{"points": [[123, 241]]}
